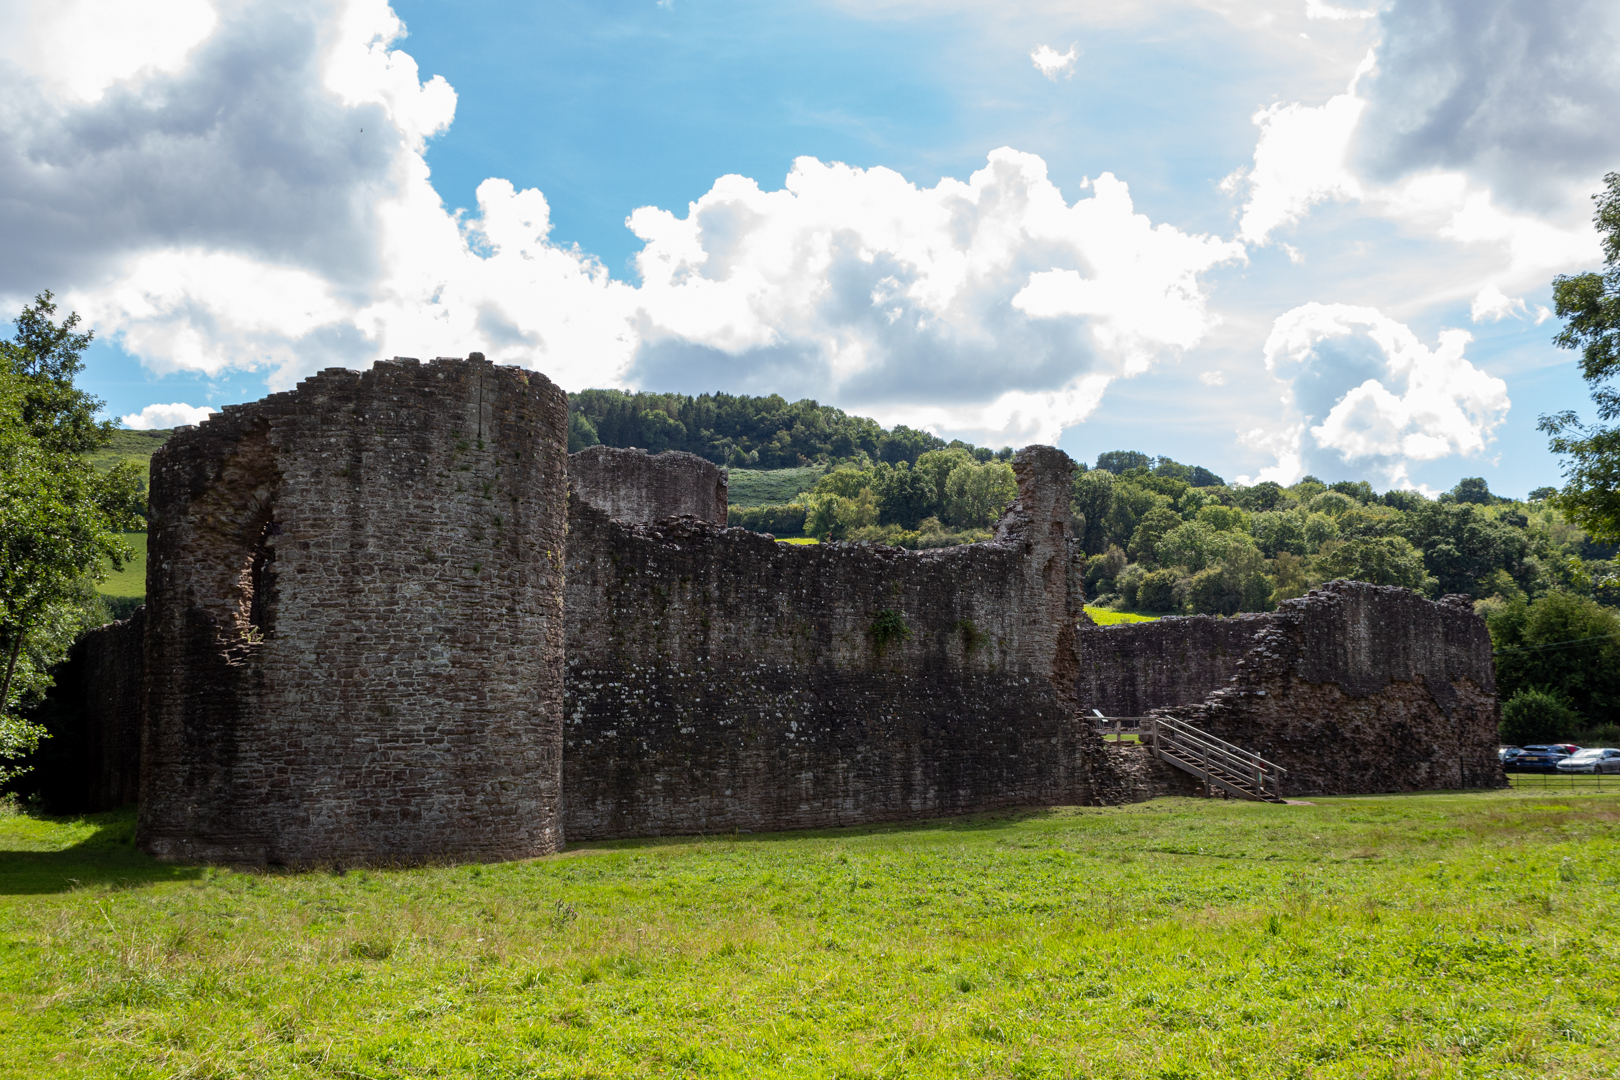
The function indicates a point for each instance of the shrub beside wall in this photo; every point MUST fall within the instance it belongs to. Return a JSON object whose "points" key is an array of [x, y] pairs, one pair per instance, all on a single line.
{"points": [[786, 519]]}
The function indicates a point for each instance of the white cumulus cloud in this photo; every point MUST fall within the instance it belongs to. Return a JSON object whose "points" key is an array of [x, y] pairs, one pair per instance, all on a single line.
{"points": [[1493, 305], [247, 190], [171, 415], [1316, 9], [254, 195], [1051, 63], [1377, 395], [1305, 155], [991, 306]]}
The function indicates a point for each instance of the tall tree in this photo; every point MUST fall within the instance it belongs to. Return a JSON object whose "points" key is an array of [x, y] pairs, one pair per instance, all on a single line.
{"points": [[59, 517], [1591, 303]]}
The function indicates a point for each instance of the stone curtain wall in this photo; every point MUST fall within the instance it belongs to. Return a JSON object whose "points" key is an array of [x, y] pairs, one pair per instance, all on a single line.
{"points": [[1130, 668], [1358, 688], [633, 486], [354, 645], [718, 680], [92, 760]]}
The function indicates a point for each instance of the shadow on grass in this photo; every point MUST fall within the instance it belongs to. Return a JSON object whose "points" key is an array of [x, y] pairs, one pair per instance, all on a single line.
{"points": [[107, 857], [983, 821]]}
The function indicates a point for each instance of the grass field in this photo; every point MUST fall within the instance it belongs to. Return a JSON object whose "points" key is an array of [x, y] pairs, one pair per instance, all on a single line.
{"points": [[131, 580], [768, 487], [797, 540], [1106, 617], [136, 446], [1472, 935]]}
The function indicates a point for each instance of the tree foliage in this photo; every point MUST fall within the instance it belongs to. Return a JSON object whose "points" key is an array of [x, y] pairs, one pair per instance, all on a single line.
{"points": [[59, 517], [747, 432], [1590, 303], [1563, 644]]}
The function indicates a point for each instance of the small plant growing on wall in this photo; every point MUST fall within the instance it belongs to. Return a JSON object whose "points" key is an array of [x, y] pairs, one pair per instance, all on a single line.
{"points": [[972, 636], [888, 627]]}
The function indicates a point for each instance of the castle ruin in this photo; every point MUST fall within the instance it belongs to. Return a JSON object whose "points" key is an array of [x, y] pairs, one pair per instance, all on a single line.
{"points": [[389, 620]]}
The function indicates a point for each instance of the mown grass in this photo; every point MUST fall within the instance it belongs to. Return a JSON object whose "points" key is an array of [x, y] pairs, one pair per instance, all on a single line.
{"points": [[1109, 617], [131, 580], [797, 540], [1426, 936], [768, 487]]}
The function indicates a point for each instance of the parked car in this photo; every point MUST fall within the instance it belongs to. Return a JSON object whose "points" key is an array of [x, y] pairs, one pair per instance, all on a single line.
{"points": [[1605, 759], [1505, 754], [1543, 757]]}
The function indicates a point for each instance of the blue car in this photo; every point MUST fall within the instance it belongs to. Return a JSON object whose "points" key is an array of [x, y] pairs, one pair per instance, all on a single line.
{"points": [[1541, 758]]}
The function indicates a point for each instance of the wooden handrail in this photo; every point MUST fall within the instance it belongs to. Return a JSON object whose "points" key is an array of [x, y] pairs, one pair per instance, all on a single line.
{"points": [[1210, 755]]}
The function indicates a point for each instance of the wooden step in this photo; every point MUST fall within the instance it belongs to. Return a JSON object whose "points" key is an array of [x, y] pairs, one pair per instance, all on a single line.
{"points": [[1188, 761]]}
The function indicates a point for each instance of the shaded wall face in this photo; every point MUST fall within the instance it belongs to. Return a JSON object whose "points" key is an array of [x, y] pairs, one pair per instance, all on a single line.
{"points": [[1129, 669], [354, 608], [1359, 688], [633, 486], [92, 760], [720, 680]]}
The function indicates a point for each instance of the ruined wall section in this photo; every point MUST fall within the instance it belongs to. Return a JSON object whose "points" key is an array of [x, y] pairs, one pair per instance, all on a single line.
{"points": [[1129, 669], [633, 486], [1358, 688], [718, 680], [354, 621], [92, 760]]}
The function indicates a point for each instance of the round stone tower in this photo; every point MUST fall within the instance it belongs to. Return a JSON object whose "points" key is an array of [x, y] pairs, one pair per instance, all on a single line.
{"points": [[355, 626]]}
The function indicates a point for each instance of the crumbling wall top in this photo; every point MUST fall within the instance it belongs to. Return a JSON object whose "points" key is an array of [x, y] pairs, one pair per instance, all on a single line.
{"points": [[633, 486]]}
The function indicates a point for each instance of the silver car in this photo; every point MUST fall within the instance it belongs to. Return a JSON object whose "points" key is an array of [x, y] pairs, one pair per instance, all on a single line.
{"points": [[1596, 760]]}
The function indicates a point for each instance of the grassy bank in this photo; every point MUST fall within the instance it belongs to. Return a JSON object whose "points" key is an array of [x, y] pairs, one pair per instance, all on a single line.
{"points": [[762, 487], [1432, 936], [131, 580]]}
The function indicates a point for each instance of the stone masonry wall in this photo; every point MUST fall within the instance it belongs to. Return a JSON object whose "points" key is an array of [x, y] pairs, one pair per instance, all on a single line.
{"points": [[1130, 668], [92, 760], [1359, 688], [718, 680], [633, 486], [354, 645]]}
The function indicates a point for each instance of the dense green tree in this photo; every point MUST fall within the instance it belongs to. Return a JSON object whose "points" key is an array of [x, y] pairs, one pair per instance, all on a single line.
{"points": [[1118, 461], [1591, 304], [1380, 560], [1535, 715], [59, 517], [1090, 503], [935, 467], [976, 494], [1472, 489], [1280, 531], [905, 497], [1145, 540], [1266, 495], [1563, 643], [1462, 544], [1234, 581], [1192, 545]]}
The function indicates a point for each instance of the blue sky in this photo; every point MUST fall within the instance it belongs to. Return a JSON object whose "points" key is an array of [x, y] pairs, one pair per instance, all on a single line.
{"points": [[1247, 235]]}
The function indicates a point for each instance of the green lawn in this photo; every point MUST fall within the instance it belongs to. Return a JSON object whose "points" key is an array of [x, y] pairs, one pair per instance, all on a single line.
{"points": [[768, 487], [1473, 935], [131, 580], [126, 445], [1107, 617]]}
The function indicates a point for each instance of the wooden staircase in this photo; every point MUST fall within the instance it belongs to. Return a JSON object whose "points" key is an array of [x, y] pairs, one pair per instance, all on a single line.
{"points": [[1219, 764]]}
